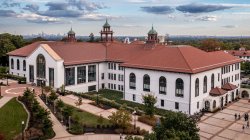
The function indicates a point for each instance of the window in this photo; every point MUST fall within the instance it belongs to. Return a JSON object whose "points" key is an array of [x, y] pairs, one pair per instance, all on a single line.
{"points": [[121, 87], [18, 64], [114, 86], [103, 86], [146, 83], [81, 74], [114, 76], [114, 66], [51, 77], [205, 85], [40, 61], [162, 103], [31, 73], [109, 76], [218, 77], [196, 87], [109, 85], [24, 65], [177, 105], [212, 81], [134, 97], [162, 85], [198, 105], [102, 76], [179, 87], [108, 65], [70, 76], [92, 88], [214, 104], [12, 64], [132, 81], [91, 73]]}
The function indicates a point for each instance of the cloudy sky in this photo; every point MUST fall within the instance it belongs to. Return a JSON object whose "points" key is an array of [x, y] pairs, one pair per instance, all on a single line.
{"points": [[127, 17]]}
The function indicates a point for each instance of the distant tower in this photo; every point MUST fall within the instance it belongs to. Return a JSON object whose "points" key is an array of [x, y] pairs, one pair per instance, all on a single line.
{"points": [[126, 40], [106, 32], [152, 36], [71, 36]]}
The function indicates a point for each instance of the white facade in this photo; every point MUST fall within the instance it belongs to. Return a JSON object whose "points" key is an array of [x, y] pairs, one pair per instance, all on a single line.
{"points": [[110, 75]]}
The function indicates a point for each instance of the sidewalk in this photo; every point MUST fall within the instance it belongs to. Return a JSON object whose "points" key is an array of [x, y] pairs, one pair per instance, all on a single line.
{"points": [[58, 128], [70, 100], [4, 100], [92, 137]]}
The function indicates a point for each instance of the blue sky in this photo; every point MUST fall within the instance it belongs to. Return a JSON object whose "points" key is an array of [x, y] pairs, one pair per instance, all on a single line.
{"points": [[127, 17]]}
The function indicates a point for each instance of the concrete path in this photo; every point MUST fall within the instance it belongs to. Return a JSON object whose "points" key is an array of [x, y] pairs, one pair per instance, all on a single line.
{"points": [[70, 100], [4, 100], [92, 137], [58, 128]]}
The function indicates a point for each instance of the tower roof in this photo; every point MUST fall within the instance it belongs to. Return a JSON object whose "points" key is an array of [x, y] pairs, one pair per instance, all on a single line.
{"points": [[106, 25], [152, 31], [71, 32]]}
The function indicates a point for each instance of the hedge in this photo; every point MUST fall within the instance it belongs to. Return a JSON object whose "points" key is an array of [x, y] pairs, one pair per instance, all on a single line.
{"points": [[21, 80]]}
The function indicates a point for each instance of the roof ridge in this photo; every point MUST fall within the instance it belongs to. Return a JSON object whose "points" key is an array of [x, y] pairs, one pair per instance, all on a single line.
{"points": [[185, 59]]}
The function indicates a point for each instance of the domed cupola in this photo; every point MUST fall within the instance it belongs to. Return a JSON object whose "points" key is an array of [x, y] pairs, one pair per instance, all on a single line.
{"points": [[71, 36], [106, 33], [152, 36]]}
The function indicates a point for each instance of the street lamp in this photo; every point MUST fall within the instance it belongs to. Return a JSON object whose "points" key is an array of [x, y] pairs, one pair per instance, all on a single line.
{"points": [[7, 79], [134, 114], [22, 130]]}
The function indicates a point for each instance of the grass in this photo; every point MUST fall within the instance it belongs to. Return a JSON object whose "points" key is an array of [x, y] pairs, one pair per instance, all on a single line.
{"points": [[87, 118], [11, 116]]}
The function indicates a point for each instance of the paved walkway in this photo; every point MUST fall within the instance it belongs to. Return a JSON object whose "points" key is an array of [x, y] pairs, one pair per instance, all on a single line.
{"points": [[58, 128], [4, 100], [223, 126], [70, 100], [92, 137]]}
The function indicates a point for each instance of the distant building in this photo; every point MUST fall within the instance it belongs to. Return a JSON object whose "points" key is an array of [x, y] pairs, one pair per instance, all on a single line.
{"points": [[242, 53], [71, 36], [183, 78]]}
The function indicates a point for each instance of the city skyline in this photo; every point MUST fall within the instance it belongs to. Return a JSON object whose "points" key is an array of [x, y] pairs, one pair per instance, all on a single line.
{"points": [[127, 17]]}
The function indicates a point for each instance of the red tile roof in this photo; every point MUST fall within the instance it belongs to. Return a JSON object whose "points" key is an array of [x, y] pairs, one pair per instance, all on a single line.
{"points": [[184, 59], [217, 91], [239, 52], [229, 86]]}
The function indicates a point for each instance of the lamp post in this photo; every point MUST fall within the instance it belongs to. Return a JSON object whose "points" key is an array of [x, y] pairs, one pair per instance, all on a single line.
{"points": [[7, 79], [134, 114], [22, 130], [69, 122], [0, 90], [97, 99]]}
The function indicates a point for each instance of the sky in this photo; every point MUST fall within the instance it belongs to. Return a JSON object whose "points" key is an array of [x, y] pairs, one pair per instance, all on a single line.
{"points": [[126, 17]]}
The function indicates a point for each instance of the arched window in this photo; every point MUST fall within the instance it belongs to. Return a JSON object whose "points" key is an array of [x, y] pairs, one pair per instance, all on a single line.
{"points": [[40, 61], [214, 104], [12, 64], [24, 65], [146, 83], [212, 81], [179, 87], [205, 84], [196, 87], [18, 64], [162, 85], [132, 81]]}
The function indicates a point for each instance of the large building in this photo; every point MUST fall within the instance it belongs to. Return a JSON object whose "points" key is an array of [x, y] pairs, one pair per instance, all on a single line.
{"points": [[242, 53], [183, 78]]}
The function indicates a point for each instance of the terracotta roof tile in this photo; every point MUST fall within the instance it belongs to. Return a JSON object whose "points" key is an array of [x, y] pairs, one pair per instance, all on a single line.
{"points": [[239, 52], [229, 86], [184, 59], [217, 91]]}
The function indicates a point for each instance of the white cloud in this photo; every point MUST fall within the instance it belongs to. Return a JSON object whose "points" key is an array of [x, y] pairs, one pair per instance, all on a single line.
{"points": [[97, 17], [38, 18], [208, 18]]}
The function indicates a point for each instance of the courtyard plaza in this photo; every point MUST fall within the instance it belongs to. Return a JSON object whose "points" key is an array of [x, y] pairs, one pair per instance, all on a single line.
{"points": [[222, 124]]}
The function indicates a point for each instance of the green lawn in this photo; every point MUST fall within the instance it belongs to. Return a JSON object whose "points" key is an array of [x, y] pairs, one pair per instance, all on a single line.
{"points": [[11, 116], [87, 118]]}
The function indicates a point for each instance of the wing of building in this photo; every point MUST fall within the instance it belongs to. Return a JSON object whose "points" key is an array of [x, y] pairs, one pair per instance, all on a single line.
{"points": [[183, 78]]}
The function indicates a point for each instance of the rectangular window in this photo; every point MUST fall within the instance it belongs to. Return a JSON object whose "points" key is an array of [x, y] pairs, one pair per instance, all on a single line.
{"points": [[92, 88], [91, 73], [134, 97], [121, 88], [114, 76], [69, 76], [108, 65], [198, 105], [51, 77], [122, 78], [109, 76], [177, 105], [114, 86], [218, 77], [81, 74], [109, 85], [31, 73], [102, 76], [162, 103], [114, 66], [111, 65], [103, 86]]}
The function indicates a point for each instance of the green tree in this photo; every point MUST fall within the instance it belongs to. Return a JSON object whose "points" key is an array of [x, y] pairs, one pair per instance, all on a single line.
{"points": [[121, 118], [149, 101], [53, 96], [79, 101], [175, 125], [67, 111], [91, 37]]}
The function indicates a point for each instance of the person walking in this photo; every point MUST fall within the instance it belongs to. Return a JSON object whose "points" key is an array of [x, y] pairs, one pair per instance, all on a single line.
{"points": [[243, 127], [245, 116], [247, 124], [239, 116], [235, 116]]}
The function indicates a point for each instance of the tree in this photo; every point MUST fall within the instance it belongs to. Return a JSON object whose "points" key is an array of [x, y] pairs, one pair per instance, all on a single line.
{"points": [[79, 101], [210, 45], [121, 118], [67, 111], [91, 37], [100, 120], [175, 125], [245, 66], [60, 104], [53, 96], [149, 101]]}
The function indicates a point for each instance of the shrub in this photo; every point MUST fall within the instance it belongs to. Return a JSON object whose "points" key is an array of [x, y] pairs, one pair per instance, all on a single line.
{"points": [[76, 129], [21, 80], [148, 120]]}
